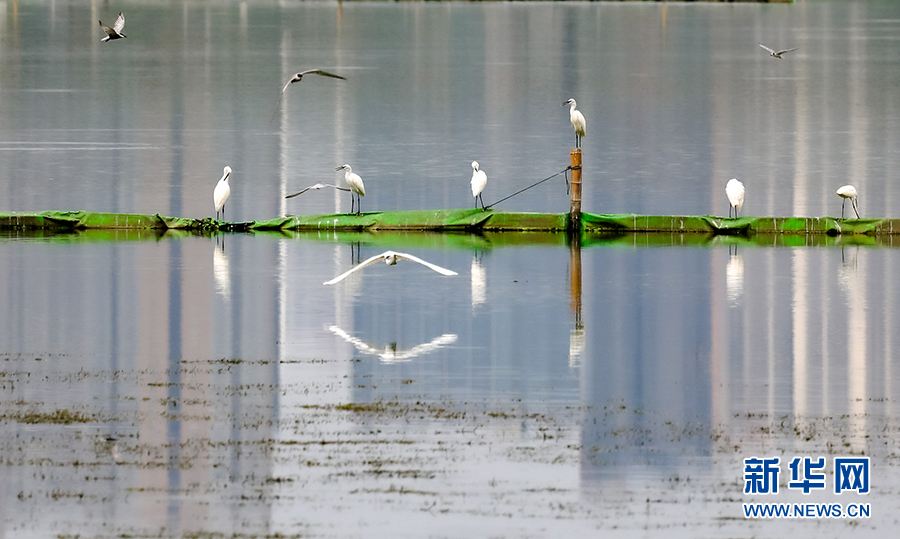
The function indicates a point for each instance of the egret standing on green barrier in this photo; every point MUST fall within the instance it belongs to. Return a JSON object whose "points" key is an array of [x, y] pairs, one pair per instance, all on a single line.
{"points": [[845, 192], [734, 190], [355, 183], [221, 193], [479, 180], [577, 119]]}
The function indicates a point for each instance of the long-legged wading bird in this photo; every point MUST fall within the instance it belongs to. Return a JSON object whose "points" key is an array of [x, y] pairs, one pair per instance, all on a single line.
{"points": [[390, 258], [479, 180], [221, 192], [577, 119], [297, 78], [355, 183], [116, 31], [317, 186], [845, 192], [777, 54], [734, 190]]}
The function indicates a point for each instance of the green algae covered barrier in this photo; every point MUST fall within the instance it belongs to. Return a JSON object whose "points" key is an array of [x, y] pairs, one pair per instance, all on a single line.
{"points": [[460, 221]]}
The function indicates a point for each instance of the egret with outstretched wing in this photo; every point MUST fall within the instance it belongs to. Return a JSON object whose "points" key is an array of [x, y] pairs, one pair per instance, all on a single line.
{"points": [[391, 258]]}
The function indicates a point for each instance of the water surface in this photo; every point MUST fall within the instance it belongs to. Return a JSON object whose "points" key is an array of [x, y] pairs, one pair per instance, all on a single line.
{"points": [[177, 385]]}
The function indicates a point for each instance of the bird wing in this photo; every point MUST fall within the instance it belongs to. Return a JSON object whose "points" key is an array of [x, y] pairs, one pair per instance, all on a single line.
{"points": [[359, 266], [109, 31], [479, 181], [320, 72], [767, 48], [442, 271], [120, 23], [317, 186], [787, 50], [298, 193], [363, 347], [424, 348]]}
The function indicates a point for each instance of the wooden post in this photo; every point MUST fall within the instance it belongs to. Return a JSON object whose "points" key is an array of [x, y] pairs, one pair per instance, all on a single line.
{"points": [[575, 200]]}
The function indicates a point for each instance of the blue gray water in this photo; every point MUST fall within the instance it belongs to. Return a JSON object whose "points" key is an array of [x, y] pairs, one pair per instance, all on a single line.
{"points": [[543, 391]]}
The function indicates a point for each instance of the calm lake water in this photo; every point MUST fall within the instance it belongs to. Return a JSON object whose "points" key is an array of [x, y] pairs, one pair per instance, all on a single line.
{"points": [[191, 386]]}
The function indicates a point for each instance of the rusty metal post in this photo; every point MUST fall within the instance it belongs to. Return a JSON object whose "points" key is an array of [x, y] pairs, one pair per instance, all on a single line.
{"points": [[575, 200]]}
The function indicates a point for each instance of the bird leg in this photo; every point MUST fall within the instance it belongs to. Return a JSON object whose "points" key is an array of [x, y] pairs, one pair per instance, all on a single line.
{"points": [[842, 207]]}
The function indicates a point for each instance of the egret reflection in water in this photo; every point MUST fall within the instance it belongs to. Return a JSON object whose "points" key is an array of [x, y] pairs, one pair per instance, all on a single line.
{"points": [[390, 354], [734, 277], [479, 283], [221, 272]]}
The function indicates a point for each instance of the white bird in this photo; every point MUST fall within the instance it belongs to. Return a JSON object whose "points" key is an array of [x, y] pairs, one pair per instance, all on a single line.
{"points": [[391, 354], [297, 78], [355, 183], [317, 186], [577, 119], [116, 31], [479, 180], [221, 193], [391, 258], [778, 53], [845, 192], [734, 190]]}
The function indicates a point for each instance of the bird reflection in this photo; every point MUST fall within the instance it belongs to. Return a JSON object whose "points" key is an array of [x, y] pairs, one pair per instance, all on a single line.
{"points": [[847, 275], [221, 273], [734, 276], [479, 283], [390, 353], [576, 346]]}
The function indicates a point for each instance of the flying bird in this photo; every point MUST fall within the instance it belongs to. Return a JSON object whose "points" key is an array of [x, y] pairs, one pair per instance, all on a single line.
{"points": [[116, 31], [297, 78], [777, 54], [390, 258], [845, 192], [734, 190], [355, 183], [479, 180], [221, 193], [577, 119], [317, 186]]}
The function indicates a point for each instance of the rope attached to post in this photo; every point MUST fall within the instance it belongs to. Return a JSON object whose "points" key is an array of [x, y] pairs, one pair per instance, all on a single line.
{"points": [[533, 185]]}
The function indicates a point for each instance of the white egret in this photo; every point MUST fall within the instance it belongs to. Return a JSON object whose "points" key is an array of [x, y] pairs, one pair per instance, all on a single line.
{"points": [[297, 78], [391, 354], [317, 186], [777, 54], [479, 180], [734, 190], [845, 192], [577, 119], [222, 192], [355, 183], [116, 31], [391, 258]]}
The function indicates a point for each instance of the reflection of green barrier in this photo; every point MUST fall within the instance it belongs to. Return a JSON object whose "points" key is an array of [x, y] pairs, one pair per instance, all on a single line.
{"points": [[461, 221]]}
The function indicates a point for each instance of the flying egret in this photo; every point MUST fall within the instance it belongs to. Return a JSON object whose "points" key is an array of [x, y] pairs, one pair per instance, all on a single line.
{"points": [[391, 258], [845, 192], [221, 193], [577, 119], [317, 186], [116, 31], [734, 190], [777, 54], [297, 78], [355, 183], [479, 180]]}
